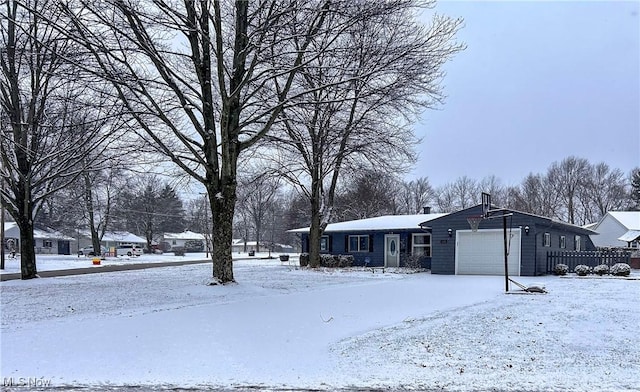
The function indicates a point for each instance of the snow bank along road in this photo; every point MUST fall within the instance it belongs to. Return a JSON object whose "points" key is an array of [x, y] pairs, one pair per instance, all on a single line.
{"points": [[283, 327]]}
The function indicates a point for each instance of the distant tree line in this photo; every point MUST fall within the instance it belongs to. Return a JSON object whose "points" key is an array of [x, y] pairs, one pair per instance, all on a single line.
{"points": [[572, 190]]}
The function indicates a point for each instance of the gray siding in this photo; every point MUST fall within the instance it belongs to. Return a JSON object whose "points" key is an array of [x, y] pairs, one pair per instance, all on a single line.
{"points": [[533, 253], [375, 256]]}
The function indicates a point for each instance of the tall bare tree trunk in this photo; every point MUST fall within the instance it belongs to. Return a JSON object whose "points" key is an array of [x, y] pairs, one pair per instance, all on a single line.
{"points": [[24, 220], [317, 226], [222, 208]]}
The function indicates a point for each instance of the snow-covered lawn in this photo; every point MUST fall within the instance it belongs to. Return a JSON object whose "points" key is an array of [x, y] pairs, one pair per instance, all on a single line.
{"points": [[284, 327]]}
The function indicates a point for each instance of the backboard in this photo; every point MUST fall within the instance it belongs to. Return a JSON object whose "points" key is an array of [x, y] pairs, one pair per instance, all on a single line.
{"points": [[486, 204]]}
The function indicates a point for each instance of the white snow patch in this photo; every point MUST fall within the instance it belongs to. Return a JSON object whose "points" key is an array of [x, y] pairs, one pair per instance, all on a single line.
{"points": [[285, 327]]}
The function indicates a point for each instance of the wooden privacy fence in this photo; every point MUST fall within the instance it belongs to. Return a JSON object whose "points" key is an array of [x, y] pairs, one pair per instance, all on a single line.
{"points": [[590, 258]]}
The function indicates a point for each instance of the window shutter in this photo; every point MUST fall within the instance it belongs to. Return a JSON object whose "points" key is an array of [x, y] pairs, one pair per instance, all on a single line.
{"points": [[330, 243], [370, 242], [306, 244], [346, 243], [410, 244]]}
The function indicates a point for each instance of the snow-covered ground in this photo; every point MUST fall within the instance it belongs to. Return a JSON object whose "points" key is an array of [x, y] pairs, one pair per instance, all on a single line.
{"points": [[284, 327]]}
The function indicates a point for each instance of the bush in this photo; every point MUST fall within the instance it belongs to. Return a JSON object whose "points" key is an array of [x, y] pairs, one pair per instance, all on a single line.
{"points": [[620, 269], [582, 270], [178, 251], [601, 269], [336, 261], [561, 269], [413, 262]]}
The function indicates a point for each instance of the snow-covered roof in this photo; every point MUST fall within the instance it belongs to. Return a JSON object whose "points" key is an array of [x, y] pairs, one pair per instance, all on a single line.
{"points": [[387, 222], [629, 219], [44, 234], [185, 235], [51, 235], [122, 236], [630, 236]]}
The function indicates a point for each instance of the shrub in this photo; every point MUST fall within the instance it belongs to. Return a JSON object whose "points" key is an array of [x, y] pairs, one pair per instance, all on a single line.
{"points": [[582, 270], [601, 269], [336, 261], [561, 269], [620, 269], [178, 251], [413, 262]]}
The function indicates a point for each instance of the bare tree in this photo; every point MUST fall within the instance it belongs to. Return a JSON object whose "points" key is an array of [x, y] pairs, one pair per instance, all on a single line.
{"points": [[494, 187], [536, 196], [44, 128], [370, 194], [568, 179], [605, 190], [205, 80], [384, 69], [464, 192], [256, 194], [414, 195]]}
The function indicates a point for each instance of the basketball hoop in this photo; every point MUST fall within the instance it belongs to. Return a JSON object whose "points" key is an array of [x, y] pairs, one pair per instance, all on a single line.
{"points": [[474, 222]]}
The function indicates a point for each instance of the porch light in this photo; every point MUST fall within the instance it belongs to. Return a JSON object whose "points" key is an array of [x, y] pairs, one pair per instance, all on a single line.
{"points": [[450, 232], [526, 230]]}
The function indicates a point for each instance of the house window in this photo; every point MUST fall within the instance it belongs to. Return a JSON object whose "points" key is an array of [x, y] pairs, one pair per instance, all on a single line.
{"points": [[358, 243], [47, 244], [546, 240], [563, 242], [578, 241], [324, 243], [421, 244], [173, 242]]}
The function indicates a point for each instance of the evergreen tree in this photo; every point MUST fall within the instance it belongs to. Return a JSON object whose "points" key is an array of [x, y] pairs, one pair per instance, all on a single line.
{"points": [[635, 189]]}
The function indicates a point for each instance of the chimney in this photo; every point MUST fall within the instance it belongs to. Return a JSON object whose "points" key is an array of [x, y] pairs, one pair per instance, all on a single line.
{"points": [[426, 210]]}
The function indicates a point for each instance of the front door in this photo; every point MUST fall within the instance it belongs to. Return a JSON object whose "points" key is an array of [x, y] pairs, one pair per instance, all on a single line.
{"points": [[392, 250]]}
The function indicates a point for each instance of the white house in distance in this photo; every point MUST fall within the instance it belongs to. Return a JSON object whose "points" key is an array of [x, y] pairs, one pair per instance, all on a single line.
{"points": [[111, 239], [181, 240], [46, 241], [618, 229]]}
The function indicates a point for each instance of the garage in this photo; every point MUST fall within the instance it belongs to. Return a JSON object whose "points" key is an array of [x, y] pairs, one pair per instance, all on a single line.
{"points": [[482, 252]]}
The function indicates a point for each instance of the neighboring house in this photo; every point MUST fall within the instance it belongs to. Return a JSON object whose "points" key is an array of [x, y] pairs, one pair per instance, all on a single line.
{"points": [[618, 229], [381, 241], [238, 245], [47, 241], [110, 239], [186, 239], [446, 244]]}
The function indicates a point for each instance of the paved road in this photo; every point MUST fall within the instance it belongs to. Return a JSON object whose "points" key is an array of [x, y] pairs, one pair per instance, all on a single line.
{"points": [[103, 268]]}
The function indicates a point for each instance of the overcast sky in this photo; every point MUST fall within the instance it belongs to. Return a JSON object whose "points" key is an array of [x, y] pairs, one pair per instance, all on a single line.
{"points": [[538, 82]]}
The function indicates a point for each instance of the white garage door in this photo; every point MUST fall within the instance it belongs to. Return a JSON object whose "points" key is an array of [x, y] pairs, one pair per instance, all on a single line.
{"points": [[482, 252]]}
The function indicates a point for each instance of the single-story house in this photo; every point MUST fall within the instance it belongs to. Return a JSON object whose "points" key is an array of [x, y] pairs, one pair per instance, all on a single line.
{"points": [[110, 239], [381, 241], [446, 243], [239, 245], [47, 241], [187, 239], [618, 229]]}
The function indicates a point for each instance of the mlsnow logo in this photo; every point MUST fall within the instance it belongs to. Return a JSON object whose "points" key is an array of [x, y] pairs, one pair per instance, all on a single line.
{"points": [[29, 382]]}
